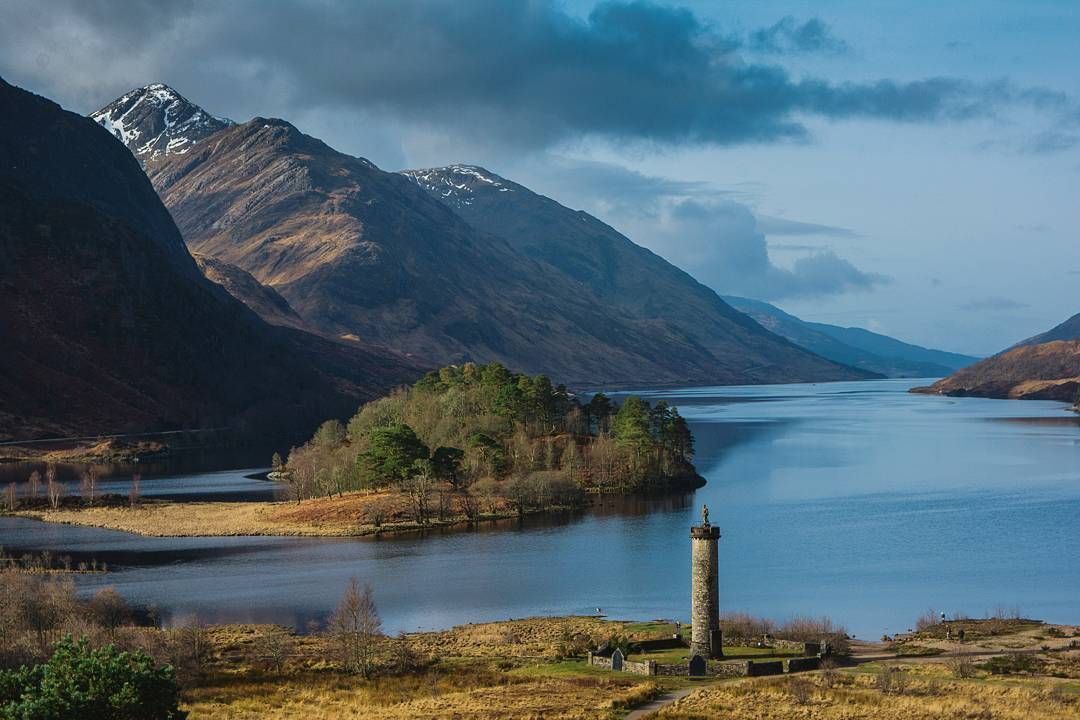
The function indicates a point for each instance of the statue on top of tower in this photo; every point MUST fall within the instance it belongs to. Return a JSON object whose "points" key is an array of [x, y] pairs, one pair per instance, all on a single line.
{"points": [[704, 516]]}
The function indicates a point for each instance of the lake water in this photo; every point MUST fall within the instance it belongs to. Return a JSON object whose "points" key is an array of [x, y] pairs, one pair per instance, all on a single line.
{"points": [[853, 500]]}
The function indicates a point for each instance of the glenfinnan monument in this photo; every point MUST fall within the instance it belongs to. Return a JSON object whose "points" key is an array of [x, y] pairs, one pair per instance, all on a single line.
{"points": [[705, 636]]}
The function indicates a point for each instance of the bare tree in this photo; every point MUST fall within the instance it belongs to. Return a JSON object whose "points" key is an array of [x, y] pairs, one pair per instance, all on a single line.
{"points": [[88, 486], [55, 491], [11, 496], [133, 493], [356, 628], [418, 489], [35, 484], [405, 659], [109, 609], [274, 648]]}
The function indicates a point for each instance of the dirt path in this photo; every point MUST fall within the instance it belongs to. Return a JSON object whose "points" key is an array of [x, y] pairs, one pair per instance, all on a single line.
{"points": [[662, 701]]}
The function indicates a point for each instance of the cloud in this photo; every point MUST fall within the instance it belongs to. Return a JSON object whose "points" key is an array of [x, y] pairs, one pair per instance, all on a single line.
{"points": [[993, 303], [789, 37], [721, 243], [1050, 141], [702, 228], [528, 75], [782, 226]]}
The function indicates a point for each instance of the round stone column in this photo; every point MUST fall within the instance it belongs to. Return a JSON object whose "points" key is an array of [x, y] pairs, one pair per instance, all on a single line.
{"points": [[705, 638]]}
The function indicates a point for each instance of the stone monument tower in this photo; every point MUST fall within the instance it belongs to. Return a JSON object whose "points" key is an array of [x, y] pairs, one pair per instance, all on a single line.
{"points": [[705, 637]]}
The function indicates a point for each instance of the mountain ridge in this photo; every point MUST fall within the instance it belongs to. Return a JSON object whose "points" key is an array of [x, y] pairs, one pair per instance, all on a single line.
{"points": [[360, 252], [854, 346], [109, 326], [156, 120], [589, 252]]}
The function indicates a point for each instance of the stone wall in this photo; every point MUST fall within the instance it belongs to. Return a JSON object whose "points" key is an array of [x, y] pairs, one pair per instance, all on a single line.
{"points": [[600, 661], [771, 667], [804, 664], [639, 668], [733, 668], [633, 667]]}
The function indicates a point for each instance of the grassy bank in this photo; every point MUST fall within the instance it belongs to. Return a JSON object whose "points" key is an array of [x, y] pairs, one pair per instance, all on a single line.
{"points": [[350, 514], [108, 450]]}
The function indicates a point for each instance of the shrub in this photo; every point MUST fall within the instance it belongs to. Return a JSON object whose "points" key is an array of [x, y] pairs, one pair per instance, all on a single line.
{"points": [[1012, 664], [81, 683], [962, 667], [801, 690], [892, 680]]}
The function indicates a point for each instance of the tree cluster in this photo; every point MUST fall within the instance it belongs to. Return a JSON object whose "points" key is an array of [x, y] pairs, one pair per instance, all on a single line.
{"points": [[481, 431]]}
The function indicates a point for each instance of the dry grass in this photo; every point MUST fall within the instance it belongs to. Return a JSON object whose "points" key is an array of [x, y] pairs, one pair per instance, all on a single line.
{"points": [[103, 450], [473, 692], [929, 694], [529, 637], [471, 671], [348, 515]]}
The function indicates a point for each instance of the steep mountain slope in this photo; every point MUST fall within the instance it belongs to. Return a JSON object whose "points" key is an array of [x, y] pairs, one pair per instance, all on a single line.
{"points": [[107, 323], [621, 275], [156, 120], [1068, 330], [242, 285], [854, 346], [360, 252]]}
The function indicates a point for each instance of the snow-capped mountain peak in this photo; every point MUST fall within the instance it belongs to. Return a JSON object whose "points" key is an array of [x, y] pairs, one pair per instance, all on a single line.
{"points": [[458, 184], [156, 120]]}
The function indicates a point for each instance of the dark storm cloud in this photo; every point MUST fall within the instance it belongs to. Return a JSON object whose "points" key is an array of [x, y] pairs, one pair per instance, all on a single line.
{"points": [[527, 74], [790, 36]]}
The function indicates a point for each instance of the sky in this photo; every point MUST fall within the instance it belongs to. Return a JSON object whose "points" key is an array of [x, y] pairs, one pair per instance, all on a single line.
{"points": [[908, 167]]}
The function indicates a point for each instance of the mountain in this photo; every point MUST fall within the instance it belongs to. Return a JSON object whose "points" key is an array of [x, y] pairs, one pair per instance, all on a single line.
{"points": [[242, 285], [362, 253], [609, 268], [1046, 371], [1068, 330], [108, 324], [1043, 367], [854, 346], [156, 120]]}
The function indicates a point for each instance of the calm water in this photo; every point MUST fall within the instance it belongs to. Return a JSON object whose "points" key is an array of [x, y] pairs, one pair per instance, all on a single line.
{"points": [[855, 500]]}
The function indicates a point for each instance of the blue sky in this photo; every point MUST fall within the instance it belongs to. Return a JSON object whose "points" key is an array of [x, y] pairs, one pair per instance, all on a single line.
{"points": [[907, 167]]}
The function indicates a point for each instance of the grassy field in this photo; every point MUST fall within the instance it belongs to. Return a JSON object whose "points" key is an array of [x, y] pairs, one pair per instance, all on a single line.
{"points": [[929, 692], [521, 669], [510, 669], [351, 514], [479, 690]]}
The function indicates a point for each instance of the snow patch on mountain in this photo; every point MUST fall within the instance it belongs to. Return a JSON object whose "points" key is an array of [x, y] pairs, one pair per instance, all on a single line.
{"points": [[457, 184], [156, 120]]}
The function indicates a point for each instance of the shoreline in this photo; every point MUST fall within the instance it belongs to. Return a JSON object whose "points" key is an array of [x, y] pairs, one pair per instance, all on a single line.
{"points": [[353, 514]]}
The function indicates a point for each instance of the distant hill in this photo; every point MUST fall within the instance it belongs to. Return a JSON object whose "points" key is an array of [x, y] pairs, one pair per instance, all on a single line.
{"points": [[853, 346], [1043, 367], [1068, 330], [1045, 371], [362, 253], [109, 326]]}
